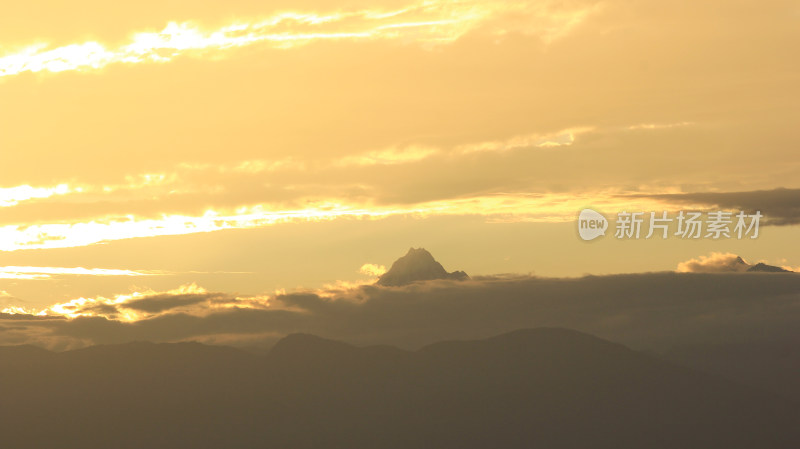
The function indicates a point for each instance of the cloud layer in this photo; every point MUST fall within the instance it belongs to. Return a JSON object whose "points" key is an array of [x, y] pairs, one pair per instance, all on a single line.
{"points": [[651, 310]]}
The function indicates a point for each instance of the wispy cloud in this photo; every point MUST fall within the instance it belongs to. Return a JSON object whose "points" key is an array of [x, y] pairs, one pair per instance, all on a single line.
{"points": [[648, 126], [182, 178], [561, 138], [389, 156], [16, 272], [427, 22], [397, 155], [11, 196]]}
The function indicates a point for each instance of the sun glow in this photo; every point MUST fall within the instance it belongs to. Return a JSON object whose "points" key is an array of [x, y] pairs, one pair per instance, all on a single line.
{"points": [[11, 196]]}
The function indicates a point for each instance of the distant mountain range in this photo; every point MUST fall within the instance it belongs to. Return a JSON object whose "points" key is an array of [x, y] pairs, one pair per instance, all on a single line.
{"points": [[762, 267], [545, 387], [417, 265], [739, 264]]}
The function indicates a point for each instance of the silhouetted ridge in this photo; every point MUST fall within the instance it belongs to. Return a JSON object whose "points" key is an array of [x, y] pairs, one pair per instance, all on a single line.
{"points": [[417, 265], [542, 336], [23, 354], [23, 349], [153, 351], [555, 339], [550, 388], [307, 347], [549, 348], [764, 268]]}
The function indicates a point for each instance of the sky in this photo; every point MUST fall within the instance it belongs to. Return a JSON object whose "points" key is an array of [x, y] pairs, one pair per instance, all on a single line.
{"points": [[254, 148]]}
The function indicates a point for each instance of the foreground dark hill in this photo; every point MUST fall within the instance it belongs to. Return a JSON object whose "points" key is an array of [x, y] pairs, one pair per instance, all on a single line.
{"points": [[550, 388]]}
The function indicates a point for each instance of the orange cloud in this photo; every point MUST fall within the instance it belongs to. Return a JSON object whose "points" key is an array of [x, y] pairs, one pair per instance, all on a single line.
{"points": [[372, 269]]}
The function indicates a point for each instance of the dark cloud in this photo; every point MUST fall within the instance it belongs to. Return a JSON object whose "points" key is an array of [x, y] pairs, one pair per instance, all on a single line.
{"points": [[780, 207], [161, 303], [102, 309], [26, 317]]}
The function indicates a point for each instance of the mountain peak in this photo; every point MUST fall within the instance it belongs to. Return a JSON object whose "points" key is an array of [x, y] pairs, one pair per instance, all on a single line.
{"points": [[419, 252], [417, 265], [764, 268], [737, 265]]}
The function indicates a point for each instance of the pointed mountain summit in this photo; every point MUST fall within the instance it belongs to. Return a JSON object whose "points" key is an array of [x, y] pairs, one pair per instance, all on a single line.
{"points": [[417, 265], [739, 264]]}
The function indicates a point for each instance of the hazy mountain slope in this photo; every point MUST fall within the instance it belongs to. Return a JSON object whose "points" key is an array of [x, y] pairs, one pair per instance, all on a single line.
{"points": [[769, 365], [542, 387]]}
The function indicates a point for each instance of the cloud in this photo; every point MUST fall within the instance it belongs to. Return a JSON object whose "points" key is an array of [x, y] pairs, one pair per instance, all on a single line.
{"points": [[500, 207], [137, 306], [779, 206], [17, 272], [727, 263], [389, 156], [372, 269], [193, 198], [535, 140], [430, 23], [649, 310], [494, 81], [11, 196], [257, 166], [160, 303], [649, 126], [714, 263]]}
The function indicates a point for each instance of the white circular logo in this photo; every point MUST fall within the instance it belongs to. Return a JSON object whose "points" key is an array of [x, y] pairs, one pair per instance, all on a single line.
{"points": [[591, 224]]}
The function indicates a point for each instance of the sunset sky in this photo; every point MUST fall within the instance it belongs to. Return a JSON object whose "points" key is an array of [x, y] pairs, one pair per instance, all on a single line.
{"points": [[251, 147]]}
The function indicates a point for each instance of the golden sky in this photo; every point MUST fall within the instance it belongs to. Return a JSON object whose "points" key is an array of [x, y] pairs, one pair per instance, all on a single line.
{"points": [[248, 146]]}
